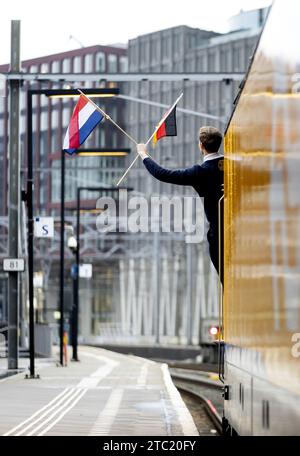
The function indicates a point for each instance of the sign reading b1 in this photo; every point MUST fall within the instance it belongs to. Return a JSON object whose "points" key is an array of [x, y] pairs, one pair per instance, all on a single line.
{"points": [[13, 264], [44, 227]]}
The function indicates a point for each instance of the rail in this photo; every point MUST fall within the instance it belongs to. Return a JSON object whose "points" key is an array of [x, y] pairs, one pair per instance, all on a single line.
{"points": [[191, 382]]}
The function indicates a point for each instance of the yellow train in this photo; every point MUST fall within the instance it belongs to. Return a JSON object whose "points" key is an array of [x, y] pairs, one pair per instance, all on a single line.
{"points": [[261, 308]]}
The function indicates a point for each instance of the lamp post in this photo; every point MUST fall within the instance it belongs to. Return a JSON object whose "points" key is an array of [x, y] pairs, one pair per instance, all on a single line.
{"points": [[73, 246], [77, 252], [51, 93]]}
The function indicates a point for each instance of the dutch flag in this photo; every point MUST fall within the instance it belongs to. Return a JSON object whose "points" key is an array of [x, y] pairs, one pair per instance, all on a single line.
{"points": [[84, 119]]}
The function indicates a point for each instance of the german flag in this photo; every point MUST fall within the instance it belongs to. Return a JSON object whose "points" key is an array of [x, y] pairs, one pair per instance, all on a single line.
{"points": [[167, 126]]}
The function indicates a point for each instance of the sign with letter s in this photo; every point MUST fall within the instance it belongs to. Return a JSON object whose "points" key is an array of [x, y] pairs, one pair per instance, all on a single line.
{"points": [[44, 227]]}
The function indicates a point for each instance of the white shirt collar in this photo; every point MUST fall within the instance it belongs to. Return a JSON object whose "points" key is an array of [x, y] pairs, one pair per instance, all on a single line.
{"points": [[212, 156]]}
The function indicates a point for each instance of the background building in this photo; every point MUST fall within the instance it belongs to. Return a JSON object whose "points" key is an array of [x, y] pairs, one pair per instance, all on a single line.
{"points": [[50, 120], [141, 287], [248, 19]]}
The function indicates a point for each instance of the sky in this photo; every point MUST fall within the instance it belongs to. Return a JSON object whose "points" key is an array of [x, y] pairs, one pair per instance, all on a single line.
{"points": [[46, 27]]}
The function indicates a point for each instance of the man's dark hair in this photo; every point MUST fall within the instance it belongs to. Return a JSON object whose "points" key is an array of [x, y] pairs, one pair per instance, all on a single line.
{"points": [[211, 138]]}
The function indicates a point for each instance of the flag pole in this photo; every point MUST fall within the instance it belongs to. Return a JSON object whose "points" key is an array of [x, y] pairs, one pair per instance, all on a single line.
{"points": [[107, 117], [127, 170], [164, 117], [157, 127]]}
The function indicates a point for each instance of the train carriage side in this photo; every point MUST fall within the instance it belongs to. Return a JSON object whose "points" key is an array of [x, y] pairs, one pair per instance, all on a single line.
{"points": [[262, 237]]}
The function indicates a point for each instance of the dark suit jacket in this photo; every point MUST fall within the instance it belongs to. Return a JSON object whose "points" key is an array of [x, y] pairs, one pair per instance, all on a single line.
{"points": [[207, 180]]}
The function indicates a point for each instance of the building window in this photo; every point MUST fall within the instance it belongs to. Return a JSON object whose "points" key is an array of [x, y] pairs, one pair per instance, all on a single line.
{"points": [[23, 102], [192, 41], [43, 149], [55, 67], [54, 140], [44, 120], [54, 115], [200, 63], [114, 142], [55, 181], [101, 137], [237, 59], [211, 62], [54, 126], [123, 62], [176, 44], [153, 52], [227, 60], [222, 60], [71, 175], [88, 63], [100, 62], [44, 68], [191, 65], [66, 115], [77, 64], [191, 96], [166, 47], [33, 69], [66, 66], [112, 63], [146, 52], [134, 55]]}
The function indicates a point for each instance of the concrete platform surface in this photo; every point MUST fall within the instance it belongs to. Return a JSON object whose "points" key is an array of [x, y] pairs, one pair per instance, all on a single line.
{"points": [[106, 393]]}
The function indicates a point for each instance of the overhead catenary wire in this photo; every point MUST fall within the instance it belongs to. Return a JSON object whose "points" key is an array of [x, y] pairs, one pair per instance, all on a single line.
{"points": [[162, 105]]}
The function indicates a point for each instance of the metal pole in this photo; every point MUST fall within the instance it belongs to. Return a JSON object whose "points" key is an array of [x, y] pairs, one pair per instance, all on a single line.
{"points": [[76, 283], [30, 232], [62, 250], [13, 197], [73, 316]]}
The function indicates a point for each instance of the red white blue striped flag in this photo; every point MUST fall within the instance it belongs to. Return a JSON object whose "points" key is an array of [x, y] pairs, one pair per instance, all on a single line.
{"points": [[84, 119]]}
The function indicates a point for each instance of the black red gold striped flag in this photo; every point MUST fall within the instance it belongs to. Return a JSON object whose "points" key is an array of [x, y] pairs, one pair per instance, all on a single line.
{"points": [[168, 126]]}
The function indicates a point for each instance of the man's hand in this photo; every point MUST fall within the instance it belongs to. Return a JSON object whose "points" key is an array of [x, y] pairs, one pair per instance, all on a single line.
{"points": [[142, 151]]}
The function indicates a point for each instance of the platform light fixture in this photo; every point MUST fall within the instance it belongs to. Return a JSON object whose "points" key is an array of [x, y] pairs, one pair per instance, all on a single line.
{"points": [[120, 152], [73, 93]]}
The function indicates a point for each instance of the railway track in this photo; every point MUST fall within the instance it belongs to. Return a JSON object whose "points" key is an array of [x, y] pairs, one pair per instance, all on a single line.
{"points": [[205, 389]]}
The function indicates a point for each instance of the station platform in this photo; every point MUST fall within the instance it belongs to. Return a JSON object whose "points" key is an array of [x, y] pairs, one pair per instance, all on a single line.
{"points": [[106, 393]]}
